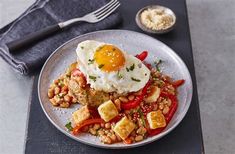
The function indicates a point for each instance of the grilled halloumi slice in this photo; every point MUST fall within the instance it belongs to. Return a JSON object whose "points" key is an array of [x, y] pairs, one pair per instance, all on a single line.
{"points": [[107, 111], [156, 119], [124, 127], [152, 96], [81, 115]]}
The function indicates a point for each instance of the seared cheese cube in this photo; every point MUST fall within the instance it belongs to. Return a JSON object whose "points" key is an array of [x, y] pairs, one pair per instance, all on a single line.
{"points": [[124, 127], [81, 115], [156, 119], [153, 94], [107, 111]]}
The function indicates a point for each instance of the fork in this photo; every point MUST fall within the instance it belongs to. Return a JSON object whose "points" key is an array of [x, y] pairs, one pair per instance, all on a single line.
{"points": [[92, 17]]}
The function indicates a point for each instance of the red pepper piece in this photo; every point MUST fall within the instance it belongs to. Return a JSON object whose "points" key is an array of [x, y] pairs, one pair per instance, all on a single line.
{"points": [[77, 129], [132, 104], [169, 115], [153, 132], [136, 102], [178, 83], [142, 55], [127, 141], [116, 119], [94, 112], [172, 111], [149, 66]]}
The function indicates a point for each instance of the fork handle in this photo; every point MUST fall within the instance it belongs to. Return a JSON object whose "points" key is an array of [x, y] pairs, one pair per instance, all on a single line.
{"points": [[32, 38]]}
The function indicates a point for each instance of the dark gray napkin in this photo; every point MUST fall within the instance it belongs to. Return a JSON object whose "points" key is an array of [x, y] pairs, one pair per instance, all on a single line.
{"points": [[42, 14]]}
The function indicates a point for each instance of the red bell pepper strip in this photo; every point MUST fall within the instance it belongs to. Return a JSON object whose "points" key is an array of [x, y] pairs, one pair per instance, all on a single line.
{"points": [[153, 132], [149, 66], [142, 55], [178, 83], [77, 129], [136, 102], [171, 113], [116, 119], [127, 141], [168, 116]]}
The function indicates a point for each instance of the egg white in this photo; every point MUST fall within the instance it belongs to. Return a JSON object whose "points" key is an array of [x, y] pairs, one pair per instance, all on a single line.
{"points": [[122, 81]]}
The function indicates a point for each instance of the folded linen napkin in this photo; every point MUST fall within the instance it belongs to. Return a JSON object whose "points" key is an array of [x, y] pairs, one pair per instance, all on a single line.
{"points": [[42, 14]]}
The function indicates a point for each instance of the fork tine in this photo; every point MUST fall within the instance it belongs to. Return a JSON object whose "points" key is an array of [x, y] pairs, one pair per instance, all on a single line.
{"points": [[106, 8], [103, 7], [108, 12]]}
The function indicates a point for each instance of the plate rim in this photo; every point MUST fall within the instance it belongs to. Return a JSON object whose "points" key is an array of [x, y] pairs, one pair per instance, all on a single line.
{"points": [[125, 146]]}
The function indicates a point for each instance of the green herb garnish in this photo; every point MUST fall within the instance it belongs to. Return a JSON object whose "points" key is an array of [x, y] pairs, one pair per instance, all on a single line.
{"points": [[136, 80], [101, 65], [82, 47], [132, 67], [92, 78], [142, 117], [119, 75], [91, 61], [157, 63], [69, 126]]}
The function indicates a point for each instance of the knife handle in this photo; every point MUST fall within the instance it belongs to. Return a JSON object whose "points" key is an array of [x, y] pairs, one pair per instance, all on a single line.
{"points": [[32, 38]]}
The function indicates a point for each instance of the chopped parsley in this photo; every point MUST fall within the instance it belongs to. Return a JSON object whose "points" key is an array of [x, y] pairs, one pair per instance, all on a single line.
{"points": [[119, 75], [157, 63], [69, 126], [132, 67], [101, 65], [92, 78], [136, 80], [82, 47], [91, 61], [142, 117]]}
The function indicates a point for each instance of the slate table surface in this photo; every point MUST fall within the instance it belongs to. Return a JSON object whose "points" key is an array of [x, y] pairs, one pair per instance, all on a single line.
{"points": [[186, 138]]}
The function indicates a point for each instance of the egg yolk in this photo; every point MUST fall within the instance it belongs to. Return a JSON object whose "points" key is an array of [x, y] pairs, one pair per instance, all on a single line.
{"points": [[109, 58]]}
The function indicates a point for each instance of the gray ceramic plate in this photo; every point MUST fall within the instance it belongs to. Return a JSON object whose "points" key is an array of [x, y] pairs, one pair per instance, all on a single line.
{"points": [[131, 42]]}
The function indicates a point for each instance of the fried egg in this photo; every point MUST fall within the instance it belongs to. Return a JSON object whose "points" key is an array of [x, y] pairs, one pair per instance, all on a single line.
{"points": [[110, 69]]}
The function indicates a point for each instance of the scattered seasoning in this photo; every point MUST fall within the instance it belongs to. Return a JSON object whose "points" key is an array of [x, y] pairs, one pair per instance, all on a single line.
{"points": [[91, 61], [132, 67], [101, 65], [69, 126], [127, 69], [114, 49], [92, 78], [142, 117], [157, 63], [82, 47], [119, 75], [136, 80]]}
